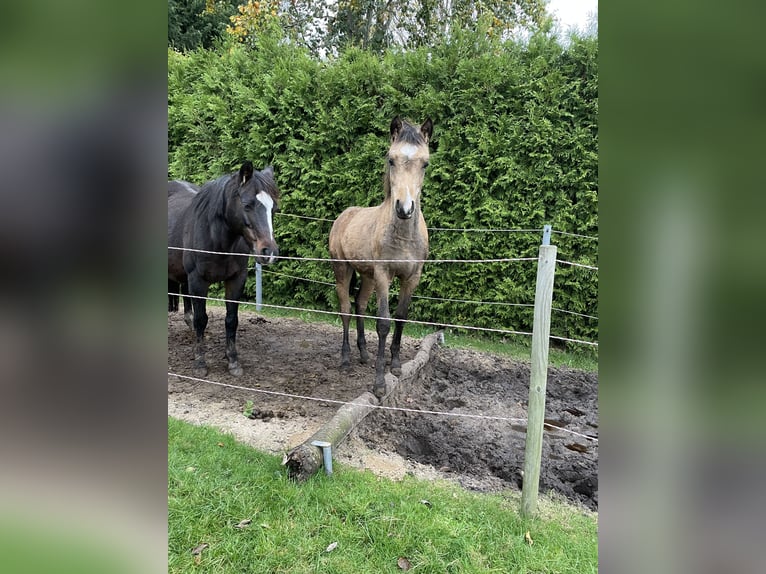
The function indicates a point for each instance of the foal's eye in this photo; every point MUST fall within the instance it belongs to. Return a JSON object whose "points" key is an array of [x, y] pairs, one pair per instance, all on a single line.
{"points": [[390, 162], [425, 164]]}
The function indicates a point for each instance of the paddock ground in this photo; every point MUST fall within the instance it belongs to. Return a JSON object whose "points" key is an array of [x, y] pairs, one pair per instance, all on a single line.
{"points": [[292, 356]]}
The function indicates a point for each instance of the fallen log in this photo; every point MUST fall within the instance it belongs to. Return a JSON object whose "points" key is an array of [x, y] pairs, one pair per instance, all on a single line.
{"points": [[305, 460]]}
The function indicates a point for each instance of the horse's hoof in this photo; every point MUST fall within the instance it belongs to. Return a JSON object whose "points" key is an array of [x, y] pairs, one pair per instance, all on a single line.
{"points": [[379, 390], [345, 367], [236, 371], [200, 371], [396, 371]]}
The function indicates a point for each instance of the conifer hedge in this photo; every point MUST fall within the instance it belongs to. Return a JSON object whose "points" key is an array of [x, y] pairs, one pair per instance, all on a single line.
{"points": [[515, 146]]}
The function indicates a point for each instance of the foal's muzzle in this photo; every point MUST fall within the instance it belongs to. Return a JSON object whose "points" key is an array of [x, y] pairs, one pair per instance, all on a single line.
{"points": [[403, 213]]}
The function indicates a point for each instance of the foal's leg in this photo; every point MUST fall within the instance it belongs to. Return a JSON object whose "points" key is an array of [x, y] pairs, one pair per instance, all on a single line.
{"points": [[400, 316], [198, 288], [343, 274], [383, 328], [362, 297], [234, 289]]}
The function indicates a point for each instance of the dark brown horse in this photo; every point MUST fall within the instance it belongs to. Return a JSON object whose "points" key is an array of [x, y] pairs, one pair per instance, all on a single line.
{"points": [[231, 214], [383, 242], [185, 188]]}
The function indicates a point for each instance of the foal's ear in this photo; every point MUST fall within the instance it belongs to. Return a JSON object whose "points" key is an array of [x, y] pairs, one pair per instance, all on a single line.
{"points": [[245, 172], [427, 129], [396, 127]]}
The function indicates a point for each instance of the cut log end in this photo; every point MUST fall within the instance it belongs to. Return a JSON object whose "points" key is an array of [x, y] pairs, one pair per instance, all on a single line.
{"points": [[303, 462]]}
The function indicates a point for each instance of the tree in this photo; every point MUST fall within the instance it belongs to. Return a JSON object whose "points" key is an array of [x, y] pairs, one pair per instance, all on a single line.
{"points": [[197, 23], [378, 24]]}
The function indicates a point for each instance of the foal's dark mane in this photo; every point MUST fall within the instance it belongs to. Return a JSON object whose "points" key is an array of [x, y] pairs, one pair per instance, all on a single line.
{"points": [[410, 134]]}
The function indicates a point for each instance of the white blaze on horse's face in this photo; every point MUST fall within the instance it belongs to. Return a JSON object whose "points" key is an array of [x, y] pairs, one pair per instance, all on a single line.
{"points": [[268, 208], [407, 163], [408, 150], [259, 226], [268, 203]]}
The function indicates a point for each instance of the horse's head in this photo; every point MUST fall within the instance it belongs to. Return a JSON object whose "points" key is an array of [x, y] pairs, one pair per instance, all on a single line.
{"points": [[258, 194], [407, 161]]}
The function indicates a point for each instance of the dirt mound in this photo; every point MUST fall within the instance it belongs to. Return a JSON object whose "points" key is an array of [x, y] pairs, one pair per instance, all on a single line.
{"points": [[466, 382]]}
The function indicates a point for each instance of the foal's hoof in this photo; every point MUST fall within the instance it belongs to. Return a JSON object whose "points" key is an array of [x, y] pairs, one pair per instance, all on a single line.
{"points": [[200, 371], [396, 371], [236, 371], [345, 366]]}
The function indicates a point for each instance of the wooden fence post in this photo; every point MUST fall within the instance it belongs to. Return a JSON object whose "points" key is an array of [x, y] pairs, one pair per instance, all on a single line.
{"points": [[546, 267]]}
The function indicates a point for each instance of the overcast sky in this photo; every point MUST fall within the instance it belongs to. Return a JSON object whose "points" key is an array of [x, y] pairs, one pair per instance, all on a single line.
{"points": [[572, 12]]}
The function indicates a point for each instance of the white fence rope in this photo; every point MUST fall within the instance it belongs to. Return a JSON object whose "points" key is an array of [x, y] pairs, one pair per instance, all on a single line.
{"points": [[354, 316], [577, 264], [330, 260], [468, 327], [458, 229], [381, 407], [463, 230], [591, 237], [446, 300], [373, 317]]}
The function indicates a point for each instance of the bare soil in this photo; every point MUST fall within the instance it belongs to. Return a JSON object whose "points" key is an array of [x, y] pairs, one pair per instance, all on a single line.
{"points": [[285, 355]]}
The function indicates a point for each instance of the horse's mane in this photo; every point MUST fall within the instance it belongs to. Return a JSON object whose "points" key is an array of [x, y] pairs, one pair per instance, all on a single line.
{"points": [[267, 183], [209, 199], [410, 134], [212, 197]]}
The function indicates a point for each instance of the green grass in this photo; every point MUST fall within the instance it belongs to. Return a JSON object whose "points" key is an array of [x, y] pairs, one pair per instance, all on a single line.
{"points": [[215, 482]]}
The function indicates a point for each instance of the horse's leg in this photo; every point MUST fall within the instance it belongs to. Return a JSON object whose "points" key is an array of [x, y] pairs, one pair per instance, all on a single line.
{"points": [[172, 295], [362, 297], [188, 307], [234, 290], [383, 328], [198, 288], [343, 274], [400, 316]]}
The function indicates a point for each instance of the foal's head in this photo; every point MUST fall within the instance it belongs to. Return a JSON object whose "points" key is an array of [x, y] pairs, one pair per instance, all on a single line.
{"points": [[407, 161], [258, 193]]}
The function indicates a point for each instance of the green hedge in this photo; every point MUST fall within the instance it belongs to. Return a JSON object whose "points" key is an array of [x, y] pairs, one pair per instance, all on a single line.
{"points": [[515, 146]]}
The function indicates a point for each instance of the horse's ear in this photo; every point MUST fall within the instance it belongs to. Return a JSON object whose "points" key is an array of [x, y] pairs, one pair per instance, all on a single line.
{"points": [[245, 172], [396, 127], [268, 170], [427, 129]]}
